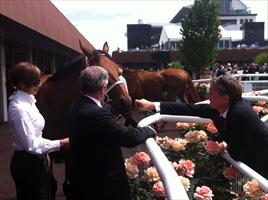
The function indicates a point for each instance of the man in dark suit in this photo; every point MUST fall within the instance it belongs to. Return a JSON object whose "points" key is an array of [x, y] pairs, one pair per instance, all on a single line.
{"points": [[241, 128], [98, 169]]}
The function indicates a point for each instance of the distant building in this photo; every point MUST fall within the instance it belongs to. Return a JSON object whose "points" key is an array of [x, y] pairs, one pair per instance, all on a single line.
{"points": [[238, 27], [233, 14], [143, 36]]}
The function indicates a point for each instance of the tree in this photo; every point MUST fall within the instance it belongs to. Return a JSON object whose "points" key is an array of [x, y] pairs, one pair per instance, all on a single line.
{"points": [[200, 34], [261, 58]]}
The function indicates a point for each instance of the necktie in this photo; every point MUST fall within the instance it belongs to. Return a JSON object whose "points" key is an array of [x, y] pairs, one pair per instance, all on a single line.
{"points": [[223, 123]]}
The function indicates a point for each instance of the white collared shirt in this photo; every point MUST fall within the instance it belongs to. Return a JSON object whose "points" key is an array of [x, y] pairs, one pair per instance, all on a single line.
{"points": [[95, 100], [26, 124], [224, 115], [157, 106]]}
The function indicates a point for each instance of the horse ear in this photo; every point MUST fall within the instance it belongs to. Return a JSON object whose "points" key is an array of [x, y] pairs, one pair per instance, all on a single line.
{"points": [[45, 77], [87, 51], [105, 48]]}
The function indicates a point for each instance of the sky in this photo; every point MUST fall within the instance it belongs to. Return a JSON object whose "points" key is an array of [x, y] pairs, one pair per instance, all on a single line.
{"points": [[101, 21]]}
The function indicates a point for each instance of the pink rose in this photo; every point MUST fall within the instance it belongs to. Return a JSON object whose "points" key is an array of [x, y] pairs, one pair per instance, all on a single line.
{"points": [[230, 173], [182, 125], [187, 166], [203, 193], [264, 197], [158, 189], [257, 109], [142, 158], [214, 148], [261, 103], [211, 128]]}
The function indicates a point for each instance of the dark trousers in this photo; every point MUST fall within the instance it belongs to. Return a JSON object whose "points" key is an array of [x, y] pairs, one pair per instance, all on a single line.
{"points": [[32, 178]]}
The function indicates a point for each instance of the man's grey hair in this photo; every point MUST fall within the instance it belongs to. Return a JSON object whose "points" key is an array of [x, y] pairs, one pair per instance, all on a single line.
{"points": [[93, 78]]}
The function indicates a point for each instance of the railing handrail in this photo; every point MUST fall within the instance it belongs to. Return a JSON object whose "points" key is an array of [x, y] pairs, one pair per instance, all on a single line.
{"points": [[238, 76]]}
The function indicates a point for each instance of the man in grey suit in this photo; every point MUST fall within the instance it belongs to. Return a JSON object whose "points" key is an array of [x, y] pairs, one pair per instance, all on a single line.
{"points": [[96, 139], [241, 128]]}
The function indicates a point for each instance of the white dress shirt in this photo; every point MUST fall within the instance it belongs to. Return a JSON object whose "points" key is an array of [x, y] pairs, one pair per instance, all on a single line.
{"points": [[26, 124], [95, 100]]}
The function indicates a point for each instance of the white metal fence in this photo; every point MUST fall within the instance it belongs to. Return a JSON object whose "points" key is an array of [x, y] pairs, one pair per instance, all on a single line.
{"points": [[250, 82]]}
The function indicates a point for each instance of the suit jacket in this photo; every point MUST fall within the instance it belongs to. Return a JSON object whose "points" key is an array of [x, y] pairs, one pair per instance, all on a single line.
{"points": [[96, 139], [244, 132]]}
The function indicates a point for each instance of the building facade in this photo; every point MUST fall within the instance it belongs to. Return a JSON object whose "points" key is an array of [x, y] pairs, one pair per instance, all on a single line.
{"points": [[37, 32]]}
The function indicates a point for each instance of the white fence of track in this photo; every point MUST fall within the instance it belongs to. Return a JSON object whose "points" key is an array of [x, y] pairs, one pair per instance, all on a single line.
{"points": [[173, 187], [251, 82]]}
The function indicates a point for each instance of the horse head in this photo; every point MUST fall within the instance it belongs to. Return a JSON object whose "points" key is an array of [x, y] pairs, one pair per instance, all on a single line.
{"points": [[117, 94]]}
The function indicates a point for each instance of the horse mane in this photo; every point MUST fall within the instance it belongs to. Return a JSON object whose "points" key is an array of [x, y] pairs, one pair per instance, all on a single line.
{"points": [[77, 63]]}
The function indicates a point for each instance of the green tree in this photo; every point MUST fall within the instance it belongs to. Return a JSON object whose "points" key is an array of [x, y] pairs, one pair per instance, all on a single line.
{"points": [[200, 34], [261, 58]]}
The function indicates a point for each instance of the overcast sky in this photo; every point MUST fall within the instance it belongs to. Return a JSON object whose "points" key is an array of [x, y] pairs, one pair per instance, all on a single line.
{"points": [[101, 21]]}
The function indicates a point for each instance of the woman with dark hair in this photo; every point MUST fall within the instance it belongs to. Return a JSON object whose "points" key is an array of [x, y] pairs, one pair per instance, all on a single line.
{"points": [[29, 164], [241, 128]]}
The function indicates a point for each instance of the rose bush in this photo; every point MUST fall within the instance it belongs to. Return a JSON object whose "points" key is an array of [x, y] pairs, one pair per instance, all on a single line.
{"points": [[195, 156]]}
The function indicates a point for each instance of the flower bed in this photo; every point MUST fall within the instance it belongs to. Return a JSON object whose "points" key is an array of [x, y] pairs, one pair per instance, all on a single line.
{"points": [[195, 156]]}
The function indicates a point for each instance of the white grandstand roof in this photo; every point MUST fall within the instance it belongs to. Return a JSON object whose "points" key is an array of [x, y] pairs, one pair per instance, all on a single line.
{"points": [[234, 34], [238, 5], [171, 32]]}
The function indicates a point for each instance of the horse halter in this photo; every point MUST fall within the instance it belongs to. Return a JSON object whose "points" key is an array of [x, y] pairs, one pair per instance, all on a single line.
{"points": [[110, 88]]}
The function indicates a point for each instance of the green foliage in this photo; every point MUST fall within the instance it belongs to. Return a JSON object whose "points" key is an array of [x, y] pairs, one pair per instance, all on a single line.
{"points": [[200, 34], [139, 189], [175, 64], [261, 58]]}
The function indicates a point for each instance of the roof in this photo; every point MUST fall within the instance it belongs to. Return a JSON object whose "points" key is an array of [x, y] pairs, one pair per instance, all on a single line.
{"points": [[234, 34], [170, 32], [238, 5], [182, 12], [33, 14], [238, 8]]}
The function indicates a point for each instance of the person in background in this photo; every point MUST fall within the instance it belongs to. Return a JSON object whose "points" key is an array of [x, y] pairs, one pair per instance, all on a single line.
{"points": [[29, 164], [241, 128], [95, 141]]}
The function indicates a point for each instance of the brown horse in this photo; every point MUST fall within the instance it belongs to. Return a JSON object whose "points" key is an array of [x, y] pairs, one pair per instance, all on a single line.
{"points": [[152, 84], [62, 88]]}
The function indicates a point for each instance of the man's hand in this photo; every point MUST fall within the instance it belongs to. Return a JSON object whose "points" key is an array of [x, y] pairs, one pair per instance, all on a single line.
{"points": [[144, 105]]}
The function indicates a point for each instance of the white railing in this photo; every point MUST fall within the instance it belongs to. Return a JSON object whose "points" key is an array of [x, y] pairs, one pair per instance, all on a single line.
{"points": [[252, 84], [173, 187], [172, 184]]}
